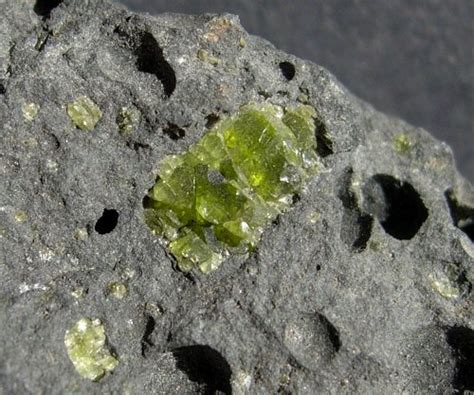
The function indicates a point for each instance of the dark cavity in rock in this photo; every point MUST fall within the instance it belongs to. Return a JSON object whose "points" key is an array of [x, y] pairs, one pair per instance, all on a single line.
{"points": [[356, 226], [43, 8], [174, 132], [463, 216], [137, 146], [107, 222], [150, 60], [211, 120], [332, 332], [206, 366], [146, 338], [288, 70], [461, 340], [397, 205], [324, 143]]}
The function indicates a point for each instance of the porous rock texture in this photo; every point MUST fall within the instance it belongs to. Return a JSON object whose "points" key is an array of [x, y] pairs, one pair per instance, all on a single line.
{"points": [[363, 286]]}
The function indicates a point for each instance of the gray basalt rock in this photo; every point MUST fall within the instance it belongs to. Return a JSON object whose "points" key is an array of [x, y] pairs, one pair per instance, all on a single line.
{"points": [[363, 286]]}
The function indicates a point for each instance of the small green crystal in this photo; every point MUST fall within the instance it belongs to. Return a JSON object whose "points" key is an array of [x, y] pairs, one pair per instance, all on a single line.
{"points": [[85, 344], [314, 217], [217, 197], [402, 143], [21, 216], [442, 284], [205, 56], [84, 113], [117, 289], [30, 111], [127, 119], [81, 234], [78, 293]]}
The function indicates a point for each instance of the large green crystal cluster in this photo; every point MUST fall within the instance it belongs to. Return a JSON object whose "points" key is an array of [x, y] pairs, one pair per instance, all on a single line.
{"points": [[85, 344], [216, 198]]}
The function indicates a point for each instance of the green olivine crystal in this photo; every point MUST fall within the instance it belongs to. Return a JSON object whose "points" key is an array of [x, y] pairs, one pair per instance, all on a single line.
{"points": [[84, 113], [30, 111], [217, 197], [127, 119], [85, 344], [402, 143], [117, 289]]}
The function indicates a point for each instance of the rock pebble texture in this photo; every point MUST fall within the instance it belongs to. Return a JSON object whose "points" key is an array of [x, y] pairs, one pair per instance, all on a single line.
{"points": [[363, 286]]}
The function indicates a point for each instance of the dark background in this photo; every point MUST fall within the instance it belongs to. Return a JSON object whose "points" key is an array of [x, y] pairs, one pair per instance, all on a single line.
{"points": [[410, 58]]}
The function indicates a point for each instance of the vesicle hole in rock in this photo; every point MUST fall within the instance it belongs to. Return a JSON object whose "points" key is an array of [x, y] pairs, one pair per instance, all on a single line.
{"points": [[107, 222], [396, 204], [288, 70]]}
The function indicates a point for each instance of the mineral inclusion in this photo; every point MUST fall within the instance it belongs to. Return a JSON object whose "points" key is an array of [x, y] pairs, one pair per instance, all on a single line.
{"points": [[84, 113], [217, 197], [85, 344], [30, 111]]}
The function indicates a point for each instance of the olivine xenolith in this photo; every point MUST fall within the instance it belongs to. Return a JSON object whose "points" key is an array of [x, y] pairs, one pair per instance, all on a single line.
{"points": [[217, 197], [85, 344]]}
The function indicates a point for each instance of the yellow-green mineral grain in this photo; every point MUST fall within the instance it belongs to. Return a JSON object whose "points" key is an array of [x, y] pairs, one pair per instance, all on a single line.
{"points": [[81, 234], [127, 119], [78, 293], [206, 57], [314, 217], [402, 143], [21, 216], [216, 198], [442, 285], [84, 113], [30, 111], [117, 290], [86, 347]]}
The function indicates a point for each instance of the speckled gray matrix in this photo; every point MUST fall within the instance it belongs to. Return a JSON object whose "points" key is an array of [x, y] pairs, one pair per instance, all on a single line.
{"points": [[363, 286]]}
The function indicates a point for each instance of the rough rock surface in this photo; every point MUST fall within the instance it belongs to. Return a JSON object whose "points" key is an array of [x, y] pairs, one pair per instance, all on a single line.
{"points": [[363, 286]]}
